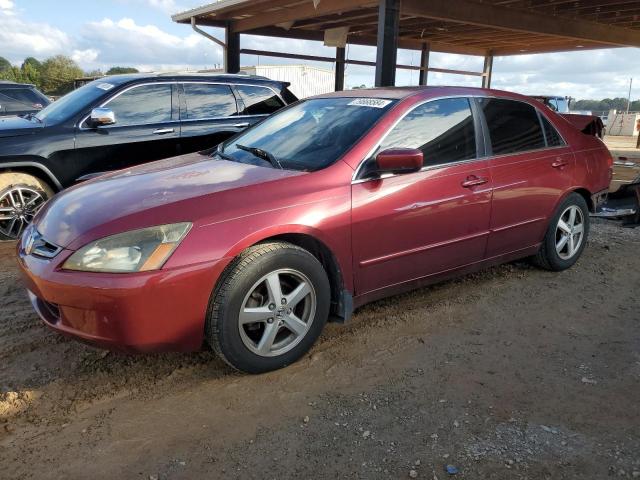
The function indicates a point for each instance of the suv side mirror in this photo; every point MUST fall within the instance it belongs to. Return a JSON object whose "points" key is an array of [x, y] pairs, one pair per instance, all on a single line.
{"points": [[102, 116], [399, 160]]}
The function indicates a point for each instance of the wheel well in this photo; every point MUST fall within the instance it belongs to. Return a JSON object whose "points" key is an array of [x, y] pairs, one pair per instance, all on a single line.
{"points": [[34, 172], [329, 262], [587, 197]]}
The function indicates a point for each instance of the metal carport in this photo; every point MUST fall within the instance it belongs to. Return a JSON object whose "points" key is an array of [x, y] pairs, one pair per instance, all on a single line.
{"points": [[488, 28]]}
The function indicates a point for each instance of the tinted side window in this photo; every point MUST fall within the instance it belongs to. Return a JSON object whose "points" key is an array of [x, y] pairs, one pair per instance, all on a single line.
{"points": [[259, 100], [19, 99], [513, 126], [553, 137], [141, 105], [209, 101], [442, 129]]}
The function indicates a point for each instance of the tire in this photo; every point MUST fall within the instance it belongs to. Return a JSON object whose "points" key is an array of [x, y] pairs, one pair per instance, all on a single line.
{"points": [[551, 256], [18, 186], [244, 325]]}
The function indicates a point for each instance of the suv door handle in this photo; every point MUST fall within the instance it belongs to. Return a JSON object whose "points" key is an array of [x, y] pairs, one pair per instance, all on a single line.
{"points": [[473, 181], [163, 131], [559, 163], [241, 125]]}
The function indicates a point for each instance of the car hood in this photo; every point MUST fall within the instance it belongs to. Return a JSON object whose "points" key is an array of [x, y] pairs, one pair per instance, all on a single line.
{"points": [[174, 190], [14, 126]]}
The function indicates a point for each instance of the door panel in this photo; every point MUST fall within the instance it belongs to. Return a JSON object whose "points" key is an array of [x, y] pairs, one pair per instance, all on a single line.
{"points": [[146, 129], [526, 189], [410, 226]]}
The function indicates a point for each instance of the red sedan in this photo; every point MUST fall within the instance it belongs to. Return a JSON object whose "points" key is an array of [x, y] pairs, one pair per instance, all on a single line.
{"points": [[333, 202]]}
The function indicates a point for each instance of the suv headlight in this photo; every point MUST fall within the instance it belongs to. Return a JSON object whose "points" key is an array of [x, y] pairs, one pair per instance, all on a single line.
{"points": [[134, 251]]}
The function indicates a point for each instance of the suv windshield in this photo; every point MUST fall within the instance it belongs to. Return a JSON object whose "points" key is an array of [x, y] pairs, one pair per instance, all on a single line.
{"points": [[308, 136], [73, 102]]}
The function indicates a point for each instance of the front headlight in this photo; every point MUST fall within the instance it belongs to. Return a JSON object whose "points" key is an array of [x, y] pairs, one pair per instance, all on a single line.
{"points": [[134, 251]]}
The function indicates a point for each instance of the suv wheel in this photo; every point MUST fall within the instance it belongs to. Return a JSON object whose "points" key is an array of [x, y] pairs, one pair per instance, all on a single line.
{"points": [[566, 235], [269, 307], [21, 196]]}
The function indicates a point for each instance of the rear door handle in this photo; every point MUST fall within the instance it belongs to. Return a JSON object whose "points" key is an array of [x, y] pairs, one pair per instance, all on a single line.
{"points": [[241, 125], [474, 181], [163, 131]]}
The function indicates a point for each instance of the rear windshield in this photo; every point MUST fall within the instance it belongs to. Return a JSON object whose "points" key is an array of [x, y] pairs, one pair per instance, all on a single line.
{"points": [[309, 135]]}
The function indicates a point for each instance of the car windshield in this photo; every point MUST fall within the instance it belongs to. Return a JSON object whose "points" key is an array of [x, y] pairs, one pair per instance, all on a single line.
{"points": [[307, 136], [73, 102]]}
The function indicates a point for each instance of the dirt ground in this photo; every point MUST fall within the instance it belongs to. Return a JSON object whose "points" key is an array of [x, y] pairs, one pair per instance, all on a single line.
{"points": [[511, 373]]}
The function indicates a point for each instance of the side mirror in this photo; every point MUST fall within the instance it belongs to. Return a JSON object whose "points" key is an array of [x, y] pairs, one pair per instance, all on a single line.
{"points": [[399, 160], [102, 116]]}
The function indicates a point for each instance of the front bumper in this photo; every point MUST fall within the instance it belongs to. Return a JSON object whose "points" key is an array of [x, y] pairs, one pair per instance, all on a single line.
{"points": [[155, 311]]}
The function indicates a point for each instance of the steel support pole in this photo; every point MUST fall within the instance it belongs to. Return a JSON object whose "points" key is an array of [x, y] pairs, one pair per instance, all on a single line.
{"points": [[387, 44], [339, 72], [232, 52], [424, 63], [487, 70]]}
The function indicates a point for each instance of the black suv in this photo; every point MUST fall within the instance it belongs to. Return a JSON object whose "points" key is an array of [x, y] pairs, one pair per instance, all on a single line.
{"points": [[119, 121], [21, 99]]}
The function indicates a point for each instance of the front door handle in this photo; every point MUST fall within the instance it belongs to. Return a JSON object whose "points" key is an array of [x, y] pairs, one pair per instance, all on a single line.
{"points": [[241, 125], [163, 131], [473, 181], [559, 163]]}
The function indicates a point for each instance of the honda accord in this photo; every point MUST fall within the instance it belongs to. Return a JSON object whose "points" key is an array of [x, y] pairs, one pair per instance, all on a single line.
{"points": [[330, 203]]}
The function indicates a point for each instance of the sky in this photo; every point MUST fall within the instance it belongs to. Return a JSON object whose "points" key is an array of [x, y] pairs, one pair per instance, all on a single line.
{"points": [[140, 33]]}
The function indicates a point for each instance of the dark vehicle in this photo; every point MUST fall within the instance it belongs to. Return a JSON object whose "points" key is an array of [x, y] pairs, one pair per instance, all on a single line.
{"points": [[119, 121], [586, 123], [21, 99]]}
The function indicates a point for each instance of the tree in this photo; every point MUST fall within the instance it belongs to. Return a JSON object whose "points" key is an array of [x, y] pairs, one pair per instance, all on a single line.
{"points": [[119, 70], [57, 75], [33, 63], [4, 64]]}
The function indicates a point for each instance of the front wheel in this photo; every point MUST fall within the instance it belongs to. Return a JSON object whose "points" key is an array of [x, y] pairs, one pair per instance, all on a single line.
{"points": [[21, 196], [269, 307], [566, 235]]}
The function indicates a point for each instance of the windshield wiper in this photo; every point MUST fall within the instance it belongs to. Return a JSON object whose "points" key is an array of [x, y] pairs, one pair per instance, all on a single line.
{"points": [[222, 155], [31, 116], [263, 154]]}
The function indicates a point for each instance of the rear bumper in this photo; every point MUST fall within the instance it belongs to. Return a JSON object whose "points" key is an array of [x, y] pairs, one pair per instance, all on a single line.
{"points": [[156, 311]]}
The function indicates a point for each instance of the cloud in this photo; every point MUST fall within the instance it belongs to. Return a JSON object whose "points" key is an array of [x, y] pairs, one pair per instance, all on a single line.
{"points": [[124, 42], [20, 39], [6, 6], [83, 57]]}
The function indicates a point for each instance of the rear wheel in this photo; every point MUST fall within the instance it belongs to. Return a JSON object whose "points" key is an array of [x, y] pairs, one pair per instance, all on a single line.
{"points": [[269, 307], [21, 196], [566, 235]]}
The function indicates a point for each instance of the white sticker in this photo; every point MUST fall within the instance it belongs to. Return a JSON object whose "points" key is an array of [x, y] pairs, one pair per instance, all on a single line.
{"points": [[105, 86], [370, 102]]}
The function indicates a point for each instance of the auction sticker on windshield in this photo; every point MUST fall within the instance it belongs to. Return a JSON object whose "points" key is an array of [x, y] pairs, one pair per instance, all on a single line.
{"points": [[105, 86], [370, 102]]}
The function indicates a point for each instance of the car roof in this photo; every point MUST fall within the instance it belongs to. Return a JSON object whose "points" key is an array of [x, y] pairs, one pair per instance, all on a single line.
{"points": [[421, 92], [177, 76], [7, 83]]}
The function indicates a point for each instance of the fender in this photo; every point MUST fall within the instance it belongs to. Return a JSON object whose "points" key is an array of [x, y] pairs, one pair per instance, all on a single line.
{"points": [[344, 264], [48, 174]]}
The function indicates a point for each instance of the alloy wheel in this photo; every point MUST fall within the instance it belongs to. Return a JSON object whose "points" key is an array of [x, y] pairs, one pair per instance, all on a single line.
{"points": [[277, 312], [569, 232], [18, 206]]}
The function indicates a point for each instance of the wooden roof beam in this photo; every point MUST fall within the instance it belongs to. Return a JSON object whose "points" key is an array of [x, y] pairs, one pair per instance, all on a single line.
{"points": [[301, 12], [474, 13]]}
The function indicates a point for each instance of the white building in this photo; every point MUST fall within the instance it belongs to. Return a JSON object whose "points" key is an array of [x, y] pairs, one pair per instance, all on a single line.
{"points": [[305, 80], [621, 123]]}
